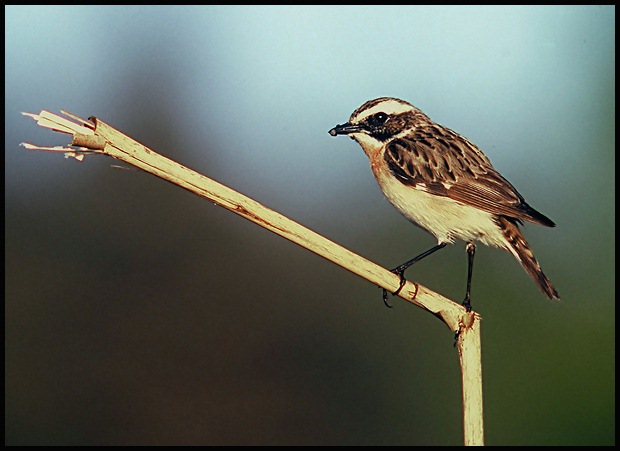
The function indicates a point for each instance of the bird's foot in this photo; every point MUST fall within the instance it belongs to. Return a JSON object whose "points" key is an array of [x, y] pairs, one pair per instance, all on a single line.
{"points": [[466, 303], [400, 273]]}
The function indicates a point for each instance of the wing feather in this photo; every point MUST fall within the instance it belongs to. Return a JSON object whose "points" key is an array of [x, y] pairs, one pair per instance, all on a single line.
{"points": [[447, 164]]}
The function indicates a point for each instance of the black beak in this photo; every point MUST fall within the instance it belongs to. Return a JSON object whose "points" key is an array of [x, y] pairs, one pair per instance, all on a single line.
{"points": [[345, 129]]}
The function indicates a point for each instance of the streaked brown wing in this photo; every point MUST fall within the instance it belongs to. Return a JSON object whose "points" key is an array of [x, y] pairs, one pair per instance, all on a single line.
{"points": [[449, 165]]}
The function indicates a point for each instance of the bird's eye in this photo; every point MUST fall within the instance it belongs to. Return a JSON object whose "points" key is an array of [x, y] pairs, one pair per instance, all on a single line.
{"points": [[380, 118]]}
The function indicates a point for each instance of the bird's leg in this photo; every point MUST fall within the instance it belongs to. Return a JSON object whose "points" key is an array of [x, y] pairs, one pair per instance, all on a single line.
{"points": [[400, 270], [471, 251]]}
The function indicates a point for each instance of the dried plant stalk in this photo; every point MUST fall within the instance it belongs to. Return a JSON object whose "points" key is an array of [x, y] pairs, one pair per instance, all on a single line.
{"points": [[96, 137]]}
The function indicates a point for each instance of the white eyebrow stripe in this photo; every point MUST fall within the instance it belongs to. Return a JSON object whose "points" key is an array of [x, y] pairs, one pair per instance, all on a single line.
{"points": [[390, 106]]}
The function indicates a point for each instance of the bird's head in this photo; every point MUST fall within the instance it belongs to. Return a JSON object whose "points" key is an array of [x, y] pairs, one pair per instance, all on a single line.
{"points": [[380, 120]]}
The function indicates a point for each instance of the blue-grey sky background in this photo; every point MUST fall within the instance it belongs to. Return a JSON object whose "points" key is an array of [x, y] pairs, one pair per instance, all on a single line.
{"points": [[137, 313]]}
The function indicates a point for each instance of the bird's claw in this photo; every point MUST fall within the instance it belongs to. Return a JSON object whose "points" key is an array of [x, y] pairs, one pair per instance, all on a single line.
{"points": [[467, 304], [399, 273]]}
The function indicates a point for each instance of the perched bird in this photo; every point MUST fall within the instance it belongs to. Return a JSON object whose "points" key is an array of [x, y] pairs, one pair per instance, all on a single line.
{"points": [[442, 182]]}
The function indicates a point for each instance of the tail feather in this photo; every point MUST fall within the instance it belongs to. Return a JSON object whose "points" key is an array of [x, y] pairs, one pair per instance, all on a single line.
{"points": [[522, 252]]}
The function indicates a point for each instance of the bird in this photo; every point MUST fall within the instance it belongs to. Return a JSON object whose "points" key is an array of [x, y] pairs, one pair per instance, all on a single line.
{"points": [[443, 183]]}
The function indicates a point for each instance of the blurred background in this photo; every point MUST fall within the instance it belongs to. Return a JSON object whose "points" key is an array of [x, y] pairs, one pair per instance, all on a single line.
{"points": [[138, 313]]}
